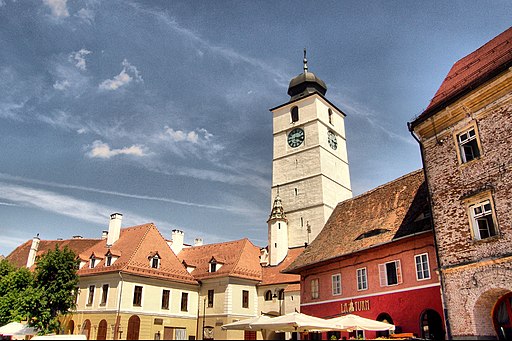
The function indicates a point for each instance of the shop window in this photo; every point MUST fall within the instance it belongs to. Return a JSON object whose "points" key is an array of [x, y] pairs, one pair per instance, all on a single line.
{"points": [[165, 298], [245, 299], [314, 288], [468, 145], [184, 301], [390, 273], [294, 114], [482, 220], [422, 267], [336, 284], [211, 295], [137, 296], [362, 281]]}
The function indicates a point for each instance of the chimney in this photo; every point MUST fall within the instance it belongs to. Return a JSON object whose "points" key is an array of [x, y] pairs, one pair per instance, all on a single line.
{"points": [[104, 234], [198, 242], [177, 241], [78, 237], [33, 251], [114, 228]]}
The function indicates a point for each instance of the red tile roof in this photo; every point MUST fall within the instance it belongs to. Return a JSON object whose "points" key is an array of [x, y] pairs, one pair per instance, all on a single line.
{"points": [[19, 256], [471, 71], [136, 245], [239, 258], [273, 274], [376, 217]]}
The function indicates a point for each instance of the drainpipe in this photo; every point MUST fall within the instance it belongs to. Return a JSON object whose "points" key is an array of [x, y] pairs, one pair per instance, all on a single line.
{"points": [[431, 204], [118, 318]]}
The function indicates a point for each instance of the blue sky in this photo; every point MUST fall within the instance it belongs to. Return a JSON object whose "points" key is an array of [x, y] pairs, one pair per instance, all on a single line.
{"points": [[159, 109]]}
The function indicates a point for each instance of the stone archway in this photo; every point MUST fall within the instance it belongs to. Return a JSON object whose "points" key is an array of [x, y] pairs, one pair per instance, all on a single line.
{"points": [[482, 311]]}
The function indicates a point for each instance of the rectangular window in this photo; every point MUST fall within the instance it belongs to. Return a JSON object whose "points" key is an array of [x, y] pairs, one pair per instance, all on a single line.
{"points": [[336, 284], [137, 296], [104, 294], [155, 262], [245, 299], [482, 220], [468, 145], [109, 260], [165, 299], [93, 262], [314, 288], [422, 268], [90, 298], [362, 281], [211, 294], [390, 273], [184, 301]]}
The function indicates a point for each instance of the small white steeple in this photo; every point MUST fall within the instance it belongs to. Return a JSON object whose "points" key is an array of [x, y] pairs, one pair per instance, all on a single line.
{"points": [[277, 233]]}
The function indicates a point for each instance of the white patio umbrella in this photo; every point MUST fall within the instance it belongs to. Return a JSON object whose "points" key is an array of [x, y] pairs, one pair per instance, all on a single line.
{"points": [[245, 324], [16, 328], [295, 322], [355, 322]]}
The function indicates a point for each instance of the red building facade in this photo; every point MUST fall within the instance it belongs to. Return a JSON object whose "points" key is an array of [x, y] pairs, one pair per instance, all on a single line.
{"points": [[376, 258]]}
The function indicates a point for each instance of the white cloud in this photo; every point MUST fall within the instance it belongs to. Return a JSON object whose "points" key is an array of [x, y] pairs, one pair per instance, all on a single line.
{"points": [[11, 110], [79, 58], [59, 7], [103, 151], [61, 85], [126, 75], [86, 15]]}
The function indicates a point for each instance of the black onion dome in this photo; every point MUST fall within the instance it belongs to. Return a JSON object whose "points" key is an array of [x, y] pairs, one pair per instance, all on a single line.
{"points": [[304, 84]]}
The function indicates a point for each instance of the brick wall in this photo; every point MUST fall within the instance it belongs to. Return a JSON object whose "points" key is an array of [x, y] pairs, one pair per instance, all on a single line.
{"points": [[477, 272]]}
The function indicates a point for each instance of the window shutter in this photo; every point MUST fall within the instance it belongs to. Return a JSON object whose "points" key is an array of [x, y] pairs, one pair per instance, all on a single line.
{"points": [[398, 272], [382, 275]]}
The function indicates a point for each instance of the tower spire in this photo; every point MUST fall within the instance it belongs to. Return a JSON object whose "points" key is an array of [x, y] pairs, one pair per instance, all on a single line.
{"points": [[305, 62]]}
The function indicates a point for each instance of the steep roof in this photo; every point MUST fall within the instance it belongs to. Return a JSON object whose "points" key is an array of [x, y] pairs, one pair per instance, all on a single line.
{"points": [[19, 256], [273, 274], [239, 258], [471, 71], [379, 216], [135, 246]]}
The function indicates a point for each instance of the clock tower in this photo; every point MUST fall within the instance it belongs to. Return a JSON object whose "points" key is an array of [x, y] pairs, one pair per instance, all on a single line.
{"points": [[310, 172]]}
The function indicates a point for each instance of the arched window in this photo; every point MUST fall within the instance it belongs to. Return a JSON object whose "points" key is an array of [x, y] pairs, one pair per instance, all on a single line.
{"points": [[87, 329], [281, 294], [384, 317], [71, 327], [295, 114], [102, 330], [133, 328], [268, 295], [431, 325]]}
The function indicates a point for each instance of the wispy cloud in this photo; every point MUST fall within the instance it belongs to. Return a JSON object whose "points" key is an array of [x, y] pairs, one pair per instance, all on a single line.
{"points": [[7, 204], [228, 53], [58, 7], [79, 58], [102, 150], [126, 76], [86, 15], [11, 242], [235, 209]]}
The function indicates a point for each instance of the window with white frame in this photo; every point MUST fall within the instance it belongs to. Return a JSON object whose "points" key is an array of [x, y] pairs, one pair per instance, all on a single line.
{"points": [[336, 284], [468, 145], [90, 298], [104, 294], [362, 281], [422, 268], [314, 288], [482, 220], [390, 273], [92, 262]]}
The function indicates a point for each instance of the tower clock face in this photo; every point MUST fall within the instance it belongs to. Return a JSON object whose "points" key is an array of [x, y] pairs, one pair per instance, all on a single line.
{"points": [[295, 137], [331, 137]]}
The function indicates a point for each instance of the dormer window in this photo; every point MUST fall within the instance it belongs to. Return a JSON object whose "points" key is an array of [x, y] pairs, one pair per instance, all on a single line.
{"points": [[92, 262], [154, 260], [109, 260], [214, 265]]}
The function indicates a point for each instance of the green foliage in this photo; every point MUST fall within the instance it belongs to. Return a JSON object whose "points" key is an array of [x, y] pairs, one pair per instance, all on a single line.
{"points": [[39, 297]]}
